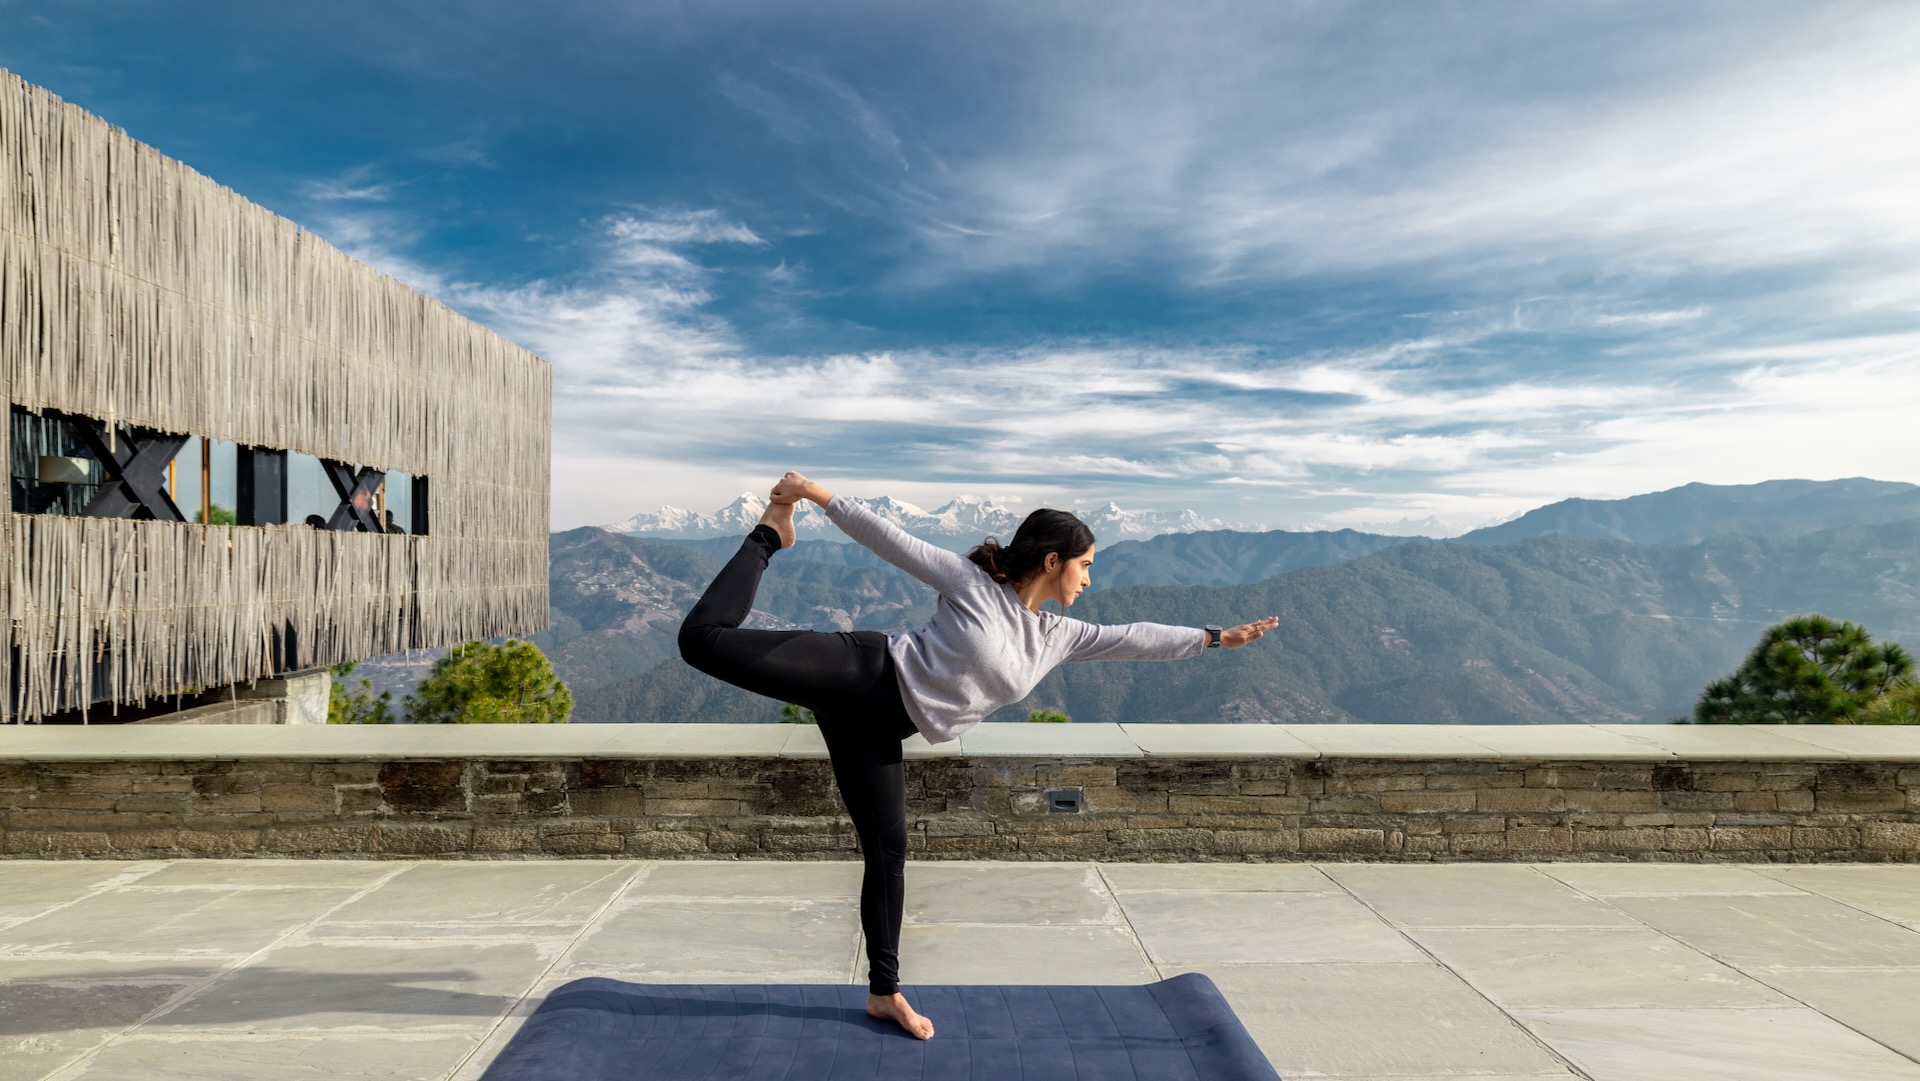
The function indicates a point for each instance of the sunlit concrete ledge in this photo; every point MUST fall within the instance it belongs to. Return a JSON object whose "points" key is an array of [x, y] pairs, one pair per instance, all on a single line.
{"points": [[1003, 791], [1718, 743]]}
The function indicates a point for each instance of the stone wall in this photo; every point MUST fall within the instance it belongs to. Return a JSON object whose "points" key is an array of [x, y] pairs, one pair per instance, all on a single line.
{"points": [[1226, 807], [294, 698]]}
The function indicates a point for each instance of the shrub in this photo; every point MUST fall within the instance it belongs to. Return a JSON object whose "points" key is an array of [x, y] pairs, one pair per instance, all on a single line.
{"points": [[1900, 705], [354, 702], [481, 683]]}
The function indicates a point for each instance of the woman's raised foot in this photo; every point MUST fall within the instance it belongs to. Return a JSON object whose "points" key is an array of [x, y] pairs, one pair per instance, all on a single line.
{"points": [[780, 517], [894, 1008]]}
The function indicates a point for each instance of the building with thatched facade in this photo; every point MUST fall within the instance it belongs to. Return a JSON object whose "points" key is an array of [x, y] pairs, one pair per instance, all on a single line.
{"points": [[177, 358]]}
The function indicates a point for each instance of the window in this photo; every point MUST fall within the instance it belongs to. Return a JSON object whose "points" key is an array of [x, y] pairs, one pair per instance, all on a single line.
{"points": [[71, 464]]}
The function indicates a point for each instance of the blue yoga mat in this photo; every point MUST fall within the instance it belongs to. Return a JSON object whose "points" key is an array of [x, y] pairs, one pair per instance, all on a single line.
{"points": [[602, 1030]]}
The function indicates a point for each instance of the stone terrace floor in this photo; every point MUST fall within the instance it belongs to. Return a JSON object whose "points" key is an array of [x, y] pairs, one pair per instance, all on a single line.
{"points": [[360, 969]]}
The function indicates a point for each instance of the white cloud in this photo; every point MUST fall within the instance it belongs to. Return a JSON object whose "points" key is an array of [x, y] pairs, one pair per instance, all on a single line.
{"points": [[1662, 162], [354, 186], [657, 401], [1289, 146]]}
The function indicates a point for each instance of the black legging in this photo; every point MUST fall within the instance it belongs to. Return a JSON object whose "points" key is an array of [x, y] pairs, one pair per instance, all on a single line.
{"points": [[847, 679]]}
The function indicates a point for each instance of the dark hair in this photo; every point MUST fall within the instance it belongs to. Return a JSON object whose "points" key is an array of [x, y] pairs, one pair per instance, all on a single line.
{"points": [[1043, 532]]}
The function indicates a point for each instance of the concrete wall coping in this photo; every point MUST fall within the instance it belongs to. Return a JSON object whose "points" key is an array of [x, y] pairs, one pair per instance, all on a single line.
{"points": [[1567, 742]]}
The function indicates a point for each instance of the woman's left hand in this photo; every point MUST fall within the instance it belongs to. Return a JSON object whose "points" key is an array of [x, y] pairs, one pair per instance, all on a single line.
{"points": [[1235, 637]]}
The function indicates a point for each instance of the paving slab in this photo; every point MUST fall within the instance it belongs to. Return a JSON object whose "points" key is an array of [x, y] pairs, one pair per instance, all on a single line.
{"points": [[1020, 739], [1588, 967], [1881, 1003], [1217, 741], [279, 873], [489, 1048], [1193, 928], [1558, 1075], [120, 742], [1715, 1045], [1779, 930], [803, 741], [52, 1011], [646, 939], [823, 880], [384, 742], [1653, 879], [355, 1056], [695, 740], [1562, 742], [1037, 894], [1472, 895], [317, 985], [171, 922], [1386, 740], [1891, 893], [1404, 1020], [30, 887], [916, 746], [961, 953], [535, 891], [1215, 876], [1726, 742], [403, 935], [1872, 743]]}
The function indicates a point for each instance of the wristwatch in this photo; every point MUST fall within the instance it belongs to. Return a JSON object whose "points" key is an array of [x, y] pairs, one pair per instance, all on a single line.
{"points": [[1213, 636]]}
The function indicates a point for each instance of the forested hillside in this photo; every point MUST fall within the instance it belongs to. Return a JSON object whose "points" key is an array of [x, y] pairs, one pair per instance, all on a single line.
{"points": [[1551, 629], [1696, 511]]}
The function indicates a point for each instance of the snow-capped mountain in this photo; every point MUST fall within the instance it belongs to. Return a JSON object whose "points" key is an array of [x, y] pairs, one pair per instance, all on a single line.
{"points": [[1110, 523], [962, 522]]}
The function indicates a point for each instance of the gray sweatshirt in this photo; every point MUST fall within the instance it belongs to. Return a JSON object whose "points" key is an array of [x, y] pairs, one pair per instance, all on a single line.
{"points": [[985, 649]]}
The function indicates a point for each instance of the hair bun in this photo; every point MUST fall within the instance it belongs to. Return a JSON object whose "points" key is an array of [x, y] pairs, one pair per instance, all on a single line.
{"points": [[1044, 532]]}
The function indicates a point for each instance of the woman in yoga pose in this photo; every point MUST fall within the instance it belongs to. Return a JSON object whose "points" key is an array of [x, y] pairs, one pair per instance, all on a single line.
{"points": [[987, 645]]}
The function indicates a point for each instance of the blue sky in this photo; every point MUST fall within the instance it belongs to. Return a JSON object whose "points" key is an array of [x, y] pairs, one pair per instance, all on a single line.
{"points": [[1289, 265]]}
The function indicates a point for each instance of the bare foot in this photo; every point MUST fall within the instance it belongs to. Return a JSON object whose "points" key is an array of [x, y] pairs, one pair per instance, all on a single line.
{"points": [[780, 517], [894, 1008]]}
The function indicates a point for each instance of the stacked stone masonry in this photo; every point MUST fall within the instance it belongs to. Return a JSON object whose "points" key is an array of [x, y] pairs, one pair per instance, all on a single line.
{"points": [[1184, 809]]}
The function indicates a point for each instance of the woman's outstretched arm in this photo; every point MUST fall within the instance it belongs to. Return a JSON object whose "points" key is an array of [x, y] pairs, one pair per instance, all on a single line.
{"points": [[937, 567], [1152, 641]]}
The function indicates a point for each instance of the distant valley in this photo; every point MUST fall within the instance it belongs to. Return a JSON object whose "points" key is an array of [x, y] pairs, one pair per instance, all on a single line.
{"points": [[1571, 620]]}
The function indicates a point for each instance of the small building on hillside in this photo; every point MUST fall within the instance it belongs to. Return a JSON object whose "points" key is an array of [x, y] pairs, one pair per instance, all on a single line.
{"points": [[234, 451]]}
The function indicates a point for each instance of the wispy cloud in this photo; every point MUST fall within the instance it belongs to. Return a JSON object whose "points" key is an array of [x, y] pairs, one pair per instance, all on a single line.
{"points": [[354, 186], [649, 380], [1250, 148], [1438, 267]]}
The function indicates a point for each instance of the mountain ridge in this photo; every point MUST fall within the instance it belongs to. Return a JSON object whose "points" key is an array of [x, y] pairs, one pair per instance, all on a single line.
{"points": [[1697, 511], [961, 522], [1549, 629]]}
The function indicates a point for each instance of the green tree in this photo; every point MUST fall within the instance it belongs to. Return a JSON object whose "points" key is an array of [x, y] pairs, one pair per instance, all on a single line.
{"points": [[481, 683], [792, 714], [1900, 705], [216, 515], [353, 701], [1048, 716], [1808, 670]]}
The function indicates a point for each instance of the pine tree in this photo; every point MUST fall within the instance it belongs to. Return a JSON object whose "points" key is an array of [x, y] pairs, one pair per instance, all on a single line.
{"points": [[1900, 705], [1808, 670], [354, 701], [481, 683]]}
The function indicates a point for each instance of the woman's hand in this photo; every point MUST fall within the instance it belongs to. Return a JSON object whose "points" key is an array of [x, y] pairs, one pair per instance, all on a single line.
{"points": [[1235, 637], [792, 488]]}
